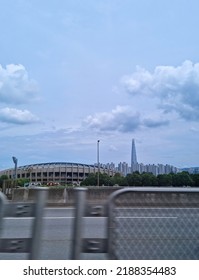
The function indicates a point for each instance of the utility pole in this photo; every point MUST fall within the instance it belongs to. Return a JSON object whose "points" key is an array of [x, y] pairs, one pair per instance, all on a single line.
{"points": [[98, 164]]}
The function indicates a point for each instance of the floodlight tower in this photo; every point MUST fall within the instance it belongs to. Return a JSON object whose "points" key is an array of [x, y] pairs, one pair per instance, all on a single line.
{"points": [[15, 160]]}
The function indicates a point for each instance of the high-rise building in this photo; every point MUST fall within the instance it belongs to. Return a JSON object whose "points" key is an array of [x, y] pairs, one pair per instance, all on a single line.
{"points": [[125, 169], [133, 155]]}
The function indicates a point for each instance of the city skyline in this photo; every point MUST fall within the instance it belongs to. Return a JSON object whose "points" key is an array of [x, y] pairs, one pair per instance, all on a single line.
{"points": [[111, 70], [125, 168]]}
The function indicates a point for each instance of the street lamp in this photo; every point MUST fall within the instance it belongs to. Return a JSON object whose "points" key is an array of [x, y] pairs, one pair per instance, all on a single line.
{"points": [[98, 164], [15, 160]]}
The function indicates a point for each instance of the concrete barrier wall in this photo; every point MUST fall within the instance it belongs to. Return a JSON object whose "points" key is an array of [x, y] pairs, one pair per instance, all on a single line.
{"points": [[66, 197], [159, 199], [63, 196], [20, 195]]}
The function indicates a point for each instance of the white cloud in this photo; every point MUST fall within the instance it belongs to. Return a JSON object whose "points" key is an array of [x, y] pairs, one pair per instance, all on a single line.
{"points": [[194, 129], [177, 88], [154, 122], [120, 119], [15, 116], [168, 89], [15, 85], [112, 148]]}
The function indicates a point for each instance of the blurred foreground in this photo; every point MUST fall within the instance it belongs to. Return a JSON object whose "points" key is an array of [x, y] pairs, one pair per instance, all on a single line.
{"points": [[132, 223]]}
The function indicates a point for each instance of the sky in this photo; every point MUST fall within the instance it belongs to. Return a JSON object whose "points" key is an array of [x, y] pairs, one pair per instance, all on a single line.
{"points": [[73, 72]]}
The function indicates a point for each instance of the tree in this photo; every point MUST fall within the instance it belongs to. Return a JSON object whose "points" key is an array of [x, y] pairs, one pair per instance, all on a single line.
{"points": [[91, 180], [22, 181], [182, 179], [195, 178], [105, 179], [134, 179], [119, 180], [164, 179], [148, 179], [2, 178]]}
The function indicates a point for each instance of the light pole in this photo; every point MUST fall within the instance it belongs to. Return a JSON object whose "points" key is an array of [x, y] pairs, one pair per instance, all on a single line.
{"points": [[15, 160], [98, 164]]}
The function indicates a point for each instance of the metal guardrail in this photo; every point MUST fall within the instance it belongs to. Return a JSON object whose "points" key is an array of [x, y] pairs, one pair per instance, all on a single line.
{"points": [[84, 209], [30, 245], [142, 223]]}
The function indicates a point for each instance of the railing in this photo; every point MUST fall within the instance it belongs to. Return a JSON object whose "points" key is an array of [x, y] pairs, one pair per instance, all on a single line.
{"points": [[137, 222], [142, 223], [31, 244]]}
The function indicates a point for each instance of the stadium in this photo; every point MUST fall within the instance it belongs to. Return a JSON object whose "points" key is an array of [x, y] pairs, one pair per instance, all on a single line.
{"points": [[57, 172]]}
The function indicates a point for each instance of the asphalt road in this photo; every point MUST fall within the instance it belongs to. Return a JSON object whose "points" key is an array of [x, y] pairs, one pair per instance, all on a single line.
{"points": [[140, 233]]}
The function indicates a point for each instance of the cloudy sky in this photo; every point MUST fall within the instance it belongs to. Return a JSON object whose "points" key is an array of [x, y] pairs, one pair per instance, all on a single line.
{"points": [[75, 71]]}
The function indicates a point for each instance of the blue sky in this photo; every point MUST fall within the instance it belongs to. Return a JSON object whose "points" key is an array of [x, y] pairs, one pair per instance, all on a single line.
{"points": [[73, 72]]}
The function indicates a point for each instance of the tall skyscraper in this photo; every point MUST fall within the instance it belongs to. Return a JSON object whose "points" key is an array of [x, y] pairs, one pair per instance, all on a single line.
{"points": [[133, 155]]}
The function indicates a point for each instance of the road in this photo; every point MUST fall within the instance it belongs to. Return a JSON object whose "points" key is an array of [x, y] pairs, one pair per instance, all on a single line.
{"points": [[161, 233]]}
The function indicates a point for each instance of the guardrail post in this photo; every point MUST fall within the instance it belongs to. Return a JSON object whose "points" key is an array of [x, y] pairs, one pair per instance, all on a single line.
{"points": [[3, 201], [80, 203], [41, 197]]}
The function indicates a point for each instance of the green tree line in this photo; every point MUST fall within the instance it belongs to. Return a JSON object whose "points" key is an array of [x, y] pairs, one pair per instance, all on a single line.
{"points": [[133, 179], [19, 182], [143, 179]]}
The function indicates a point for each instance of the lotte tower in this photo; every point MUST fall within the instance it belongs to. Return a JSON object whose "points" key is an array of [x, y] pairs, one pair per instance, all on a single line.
{"points": [[133, 155]]}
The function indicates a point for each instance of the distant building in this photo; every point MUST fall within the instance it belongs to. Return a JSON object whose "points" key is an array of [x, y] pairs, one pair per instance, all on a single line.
{"points": [[75, 173], [150, 168], [123, 168], [191, 170], [62, 172], [155, 169], [133, 156]]}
